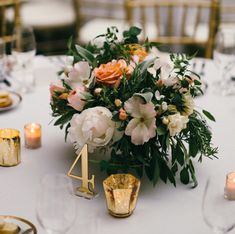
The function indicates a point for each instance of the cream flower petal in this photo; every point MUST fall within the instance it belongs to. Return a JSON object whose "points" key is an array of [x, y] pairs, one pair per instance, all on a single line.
{"points": [[147, 110], [151, 125], [83, 69], [140, 134], [131, 126], [132, 106]]}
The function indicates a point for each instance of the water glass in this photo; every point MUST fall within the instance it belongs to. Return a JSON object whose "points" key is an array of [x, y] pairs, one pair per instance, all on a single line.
{"points": [[56, 207], [224, 58], [2, 59], [23, 49], [218, 211]]}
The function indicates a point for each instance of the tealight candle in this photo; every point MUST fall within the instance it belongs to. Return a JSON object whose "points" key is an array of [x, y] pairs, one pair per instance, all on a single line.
{"points": [[229, 190], [32, 135]]}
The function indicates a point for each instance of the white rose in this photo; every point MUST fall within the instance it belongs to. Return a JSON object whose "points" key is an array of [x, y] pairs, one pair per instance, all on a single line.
{"points": [[176, 123], [94, 126]]}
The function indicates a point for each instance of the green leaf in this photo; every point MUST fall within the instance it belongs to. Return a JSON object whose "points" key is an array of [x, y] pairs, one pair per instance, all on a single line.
{"points": [[139, 171], [70, 42], [134, 31], [179, 154], [208, 115], [103, 165], [184, 176], [193, 147], [156, 172], [147, 97], [144, 65], [161, 130], [87, 55], [64, 119]]}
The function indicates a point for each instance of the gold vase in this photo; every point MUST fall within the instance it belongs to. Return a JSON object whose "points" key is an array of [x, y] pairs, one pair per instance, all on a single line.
{"points": [[121, 191], [9, 147]]}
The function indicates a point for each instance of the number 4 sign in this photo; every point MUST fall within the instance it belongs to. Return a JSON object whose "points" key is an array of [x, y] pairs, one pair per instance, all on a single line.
{"points": [[84, 190]]}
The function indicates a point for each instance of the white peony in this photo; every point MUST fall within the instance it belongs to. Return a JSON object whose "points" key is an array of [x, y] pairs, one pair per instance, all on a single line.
{"points": [[176, 123], [94, 126]]}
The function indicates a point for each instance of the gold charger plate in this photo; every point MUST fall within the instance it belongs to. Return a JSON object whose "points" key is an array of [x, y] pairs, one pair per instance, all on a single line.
{"points": [[25, 225]]}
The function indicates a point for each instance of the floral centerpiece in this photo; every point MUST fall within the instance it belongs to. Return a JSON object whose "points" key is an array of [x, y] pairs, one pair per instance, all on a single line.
{"points": [[139, 104]]}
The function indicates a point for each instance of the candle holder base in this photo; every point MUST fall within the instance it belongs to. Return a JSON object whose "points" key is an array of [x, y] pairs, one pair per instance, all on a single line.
{"points": [[85, 193], [120, 215]]}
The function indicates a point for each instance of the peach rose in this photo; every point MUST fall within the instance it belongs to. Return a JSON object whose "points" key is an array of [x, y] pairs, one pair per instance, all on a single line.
{"points": [[138, 52], [55, 87], [112, 72]]}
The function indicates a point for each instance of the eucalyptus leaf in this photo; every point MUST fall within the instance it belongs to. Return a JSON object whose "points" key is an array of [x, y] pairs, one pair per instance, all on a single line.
{"points": [[184, 176], [208, 115], [87, 55]]}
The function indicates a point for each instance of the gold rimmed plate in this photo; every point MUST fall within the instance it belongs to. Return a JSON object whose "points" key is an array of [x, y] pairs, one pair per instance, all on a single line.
{"points": [[16, 100], [26, 227]]}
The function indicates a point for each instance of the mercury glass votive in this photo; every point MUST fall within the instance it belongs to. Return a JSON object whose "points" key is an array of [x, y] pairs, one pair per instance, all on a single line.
{"points": [[121, 191], [32, 135], [9, 147]]}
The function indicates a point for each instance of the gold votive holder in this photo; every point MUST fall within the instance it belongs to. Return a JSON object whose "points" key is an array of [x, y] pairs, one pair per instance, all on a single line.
{"points": [[32, 135], [121, 191], [229, 189], [9, 147]]}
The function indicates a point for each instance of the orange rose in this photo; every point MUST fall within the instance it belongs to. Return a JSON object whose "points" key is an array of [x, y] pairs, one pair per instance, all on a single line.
{"points": [[138, 50], [112, 72]]}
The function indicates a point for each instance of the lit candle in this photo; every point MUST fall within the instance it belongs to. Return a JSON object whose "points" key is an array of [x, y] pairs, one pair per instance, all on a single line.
{"points": [[229, 190], [32, 135]]}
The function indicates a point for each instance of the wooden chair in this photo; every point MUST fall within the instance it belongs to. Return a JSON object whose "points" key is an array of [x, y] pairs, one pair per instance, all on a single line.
{"points": [[227, 15], [181, 28], [95, 16], [5, 26], [53, 22]]}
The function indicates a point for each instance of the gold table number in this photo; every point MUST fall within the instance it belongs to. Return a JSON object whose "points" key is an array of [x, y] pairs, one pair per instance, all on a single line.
{"points": [[84, 190]]}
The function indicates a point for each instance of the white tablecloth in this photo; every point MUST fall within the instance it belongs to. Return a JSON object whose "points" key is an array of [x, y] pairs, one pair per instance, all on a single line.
{"points": [[163, 209]]}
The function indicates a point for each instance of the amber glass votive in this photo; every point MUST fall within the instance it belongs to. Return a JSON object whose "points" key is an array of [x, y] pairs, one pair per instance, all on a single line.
{"points": [[32, 135], [121, 192], [9, 147]]}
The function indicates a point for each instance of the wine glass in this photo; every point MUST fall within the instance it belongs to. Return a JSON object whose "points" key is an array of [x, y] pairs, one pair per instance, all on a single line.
{"points": [[218, 211], [2, 59], [56, 207], [224, 58], [23, 49]]}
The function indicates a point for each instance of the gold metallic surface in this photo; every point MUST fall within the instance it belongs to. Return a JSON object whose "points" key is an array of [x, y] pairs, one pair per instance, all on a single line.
{"points": [[84, 190], [121, 191], [9, 147]]}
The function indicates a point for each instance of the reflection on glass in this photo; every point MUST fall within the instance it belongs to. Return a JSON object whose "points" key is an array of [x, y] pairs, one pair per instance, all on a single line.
{"points": [[224, 57], [23, 50], [218, 211], [56, 207]]}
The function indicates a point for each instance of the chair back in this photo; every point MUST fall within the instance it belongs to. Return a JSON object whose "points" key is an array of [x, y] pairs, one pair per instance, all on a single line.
{"points": [[227, 12], [6, 26], [177, 21], [91, 9]]}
